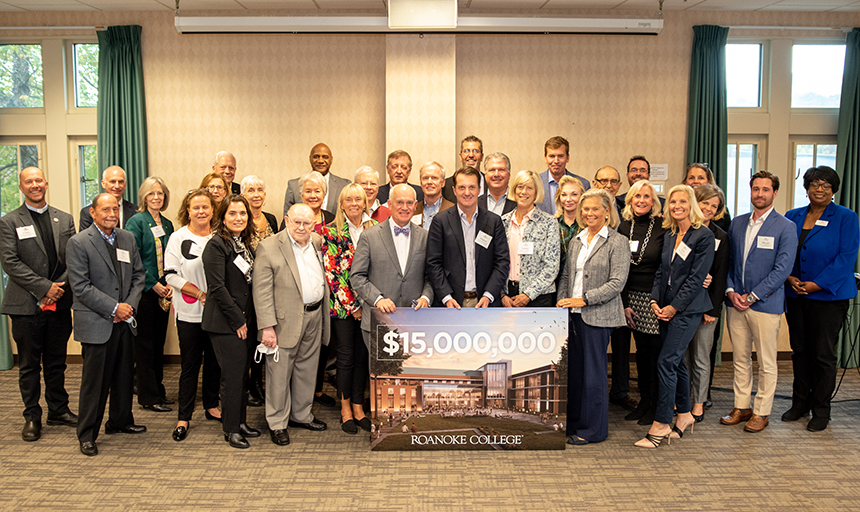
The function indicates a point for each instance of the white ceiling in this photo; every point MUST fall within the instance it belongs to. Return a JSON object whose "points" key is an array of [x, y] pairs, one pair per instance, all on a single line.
{"points": [[251, 5]]}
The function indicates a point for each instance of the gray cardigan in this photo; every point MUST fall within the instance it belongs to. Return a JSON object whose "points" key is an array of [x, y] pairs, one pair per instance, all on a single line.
{"points": [[605, 276]]}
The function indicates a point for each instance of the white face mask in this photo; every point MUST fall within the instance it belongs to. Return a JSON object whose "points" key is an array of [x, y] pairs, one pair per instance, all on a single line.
{"points": [[263, 350]]}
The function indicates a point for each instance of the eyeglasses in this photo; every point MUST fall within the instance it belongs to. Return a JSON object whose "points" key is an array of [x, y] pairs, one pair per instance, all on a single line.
{"points": [[302, 223], [216, 187], [608, 182], [472, 151], [823, 185]]}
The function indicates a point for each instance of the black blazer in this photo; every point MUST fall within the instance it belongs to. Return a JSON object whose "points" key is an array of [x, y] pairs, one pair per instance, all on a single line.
{"points": [[686, 293], [385, 190], [448, 189], [272, 220], [719, 270], [85, 219], [446, 256], [229, 303], [509, 204]]}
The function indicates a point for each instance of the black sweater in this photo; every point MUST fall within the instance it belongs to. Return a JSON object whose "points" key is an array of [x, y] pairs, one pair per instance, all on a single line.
{"points": [[641, 276]]}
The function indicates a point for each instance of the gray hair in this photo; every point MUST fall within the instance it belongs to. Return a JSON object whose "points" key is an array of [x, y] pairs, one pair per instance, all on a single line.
{"points": [[497, 156], [112, 168], [362, 170], [251, 180], [431, 164], [219, 154], [315, 177]]}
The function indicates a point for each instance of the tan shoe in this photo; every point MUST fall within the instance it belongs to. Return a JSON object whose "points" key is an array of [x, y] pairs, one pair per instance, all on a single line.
{"points": [[736, 416], [756, 423]]}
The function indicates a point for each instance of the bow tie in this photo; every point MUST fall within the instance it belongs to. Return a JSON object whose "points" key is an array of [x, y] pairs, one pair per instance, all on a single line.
{"points": [[401, 231]]}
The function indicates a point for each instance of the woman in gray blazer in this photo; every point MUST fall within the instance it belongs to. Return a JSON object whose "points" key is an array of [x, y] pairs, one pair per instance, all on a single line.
{"points": [[594, 275]]}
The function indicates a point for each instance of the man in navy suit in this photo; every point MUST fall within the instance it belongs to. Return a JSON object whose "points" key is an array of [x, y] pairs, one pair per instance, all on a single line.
{"points": [[114, 183], [399, 167], [763, 248], [557, 154], [467, 250]]}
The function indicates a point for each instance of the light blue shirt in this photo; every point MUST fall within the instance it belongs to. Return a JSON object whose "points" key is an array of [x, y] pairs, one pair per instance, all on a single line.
{"points": [[497, 207], [430, 211]]}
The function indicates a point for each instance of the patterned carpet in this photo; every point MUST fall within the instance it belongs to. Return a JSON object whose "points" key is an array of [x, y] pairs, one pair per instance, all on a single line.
{"points": [[715, 468]]}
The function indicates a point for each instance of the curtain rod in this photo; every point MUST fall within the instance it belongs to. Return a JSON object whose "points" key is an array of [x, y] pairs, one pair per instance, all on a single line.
{"points": [[100, 27], [746, 27]]}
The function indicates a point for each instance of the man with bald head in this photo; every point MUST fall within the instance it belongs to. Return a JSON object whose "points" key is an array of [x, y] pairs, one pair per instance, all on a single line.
{"points": [[114, 183], [33, 241], [288, 271], [225, 165], [321, 160]]}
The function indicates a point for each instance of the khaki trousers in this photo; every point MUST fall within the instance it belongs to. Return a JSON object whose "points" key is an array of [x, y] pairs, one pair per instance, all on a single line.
{"points": [[748, 329]]}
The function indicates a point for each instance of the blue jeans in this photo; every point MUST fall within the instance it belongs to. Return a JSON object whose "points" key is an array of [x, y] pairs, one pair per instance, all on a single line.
{"points": [[674, 381]]}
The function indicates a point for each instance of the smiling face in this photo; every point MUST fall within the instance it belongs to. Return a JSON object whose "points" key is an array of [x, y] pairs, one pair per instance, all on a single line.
{"points": [[155, 198], [608, 179], [33, 185], [637, 170], [353, 206], [106, 213], [200, 211], [226, 167], [370, 184], [402, 204], [696, 176], [321, 159], [593, 213], [236, 218], [525, 194], [497, 175], [569, 197], [642, 202], [398, 170], [432, 180], [466, 191], [762, 193], [312, 195], [300, 223], [471, 154], [113, 181], [256, 196], [820, 192], [679, 206], [709, 208]]}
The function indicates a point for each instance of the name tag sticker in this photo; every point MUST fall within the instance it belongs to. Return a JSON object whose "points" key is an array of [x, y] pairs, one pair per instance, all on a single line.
{"points": [[634, 245], [716, 245], [822, 223], [417, 219], [483, 239], [157, 231], [765, 242], [241, 264], [526, 248], [683, 251], [195, 249], [26, 232], [123, 256]]}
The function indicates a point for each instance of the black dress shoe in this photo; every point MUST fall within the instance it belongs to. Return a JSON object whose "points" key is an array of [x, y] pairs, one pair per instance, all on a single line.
{"points": [[325, 400], [817, 423], [247, 431], [708, 404], [237, 440], [315, 424], [260, 390], [32, 430], [648, 418], [128, 429], [280, 437], [349, 427], [167, 401], [794, 413], [625, 402], [68, 419], [157, 408], [180, 433], [210, 417], [254, 401], [89, 448], [364, 423], [636, 413]]}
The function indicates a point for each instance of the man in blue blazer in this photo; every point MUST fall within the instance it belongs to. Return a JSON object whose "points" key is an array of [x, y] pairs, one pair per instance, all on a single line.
{"points": [[556, 152], [763, 246], [468, 259]]}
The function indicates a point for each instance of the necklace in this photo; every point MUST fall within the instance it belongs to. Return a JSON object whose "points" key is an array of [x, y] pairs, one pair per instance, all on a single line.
{"points": [[644, 242]]}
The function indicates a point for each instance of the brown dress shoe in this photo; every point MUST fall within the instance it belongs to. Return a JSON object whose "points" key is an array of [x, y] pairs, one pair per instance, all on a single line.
{"points": [[736, 416], [756, 423]]}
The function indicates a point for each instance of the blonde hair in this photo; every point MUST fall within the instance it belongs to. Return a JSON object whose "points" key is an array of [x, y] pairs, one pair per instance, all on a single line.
{"points": [[351, 189], [565, 180], [627, 213], [522, 178], [605, 200], [696, 216], [148, 186]]}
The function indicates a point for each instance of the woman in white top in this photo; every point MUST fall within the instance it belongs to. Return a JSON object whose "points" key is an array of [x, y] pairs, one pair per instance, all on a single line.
{"points": [[183, 269]]}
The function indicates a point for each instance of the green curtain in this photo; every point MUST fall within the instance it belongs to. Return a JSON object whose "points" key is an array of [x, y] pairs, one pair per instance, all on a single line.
{"points": [[848, 168], [121, 113], [707, 114]]}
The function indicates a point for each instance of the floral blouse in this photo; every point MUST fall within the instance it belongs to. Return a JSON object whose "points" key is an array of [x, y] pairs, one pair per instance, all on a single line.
{"points": [[338, 251]]}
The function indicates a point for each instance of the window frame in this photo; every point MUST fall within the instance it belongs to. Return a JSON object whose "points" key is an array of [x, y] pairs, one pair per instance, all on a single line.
{"points": [[39, 142], [796, 140], [823, 41], [71, 89], [27, 110], [764, 76], [761, 152]]}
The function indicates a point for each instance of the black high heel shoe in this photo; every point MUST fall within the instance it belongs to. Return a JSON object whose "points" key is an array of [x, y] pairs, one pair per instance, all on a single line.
{"points": [[680, 431], [699, 418], [180, 433], [214, 418]]}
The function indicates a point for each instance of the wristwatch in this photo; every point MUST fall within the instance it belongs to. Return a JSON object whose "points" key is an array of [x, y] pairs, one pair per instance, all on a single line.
{"points": [[750, 298]]}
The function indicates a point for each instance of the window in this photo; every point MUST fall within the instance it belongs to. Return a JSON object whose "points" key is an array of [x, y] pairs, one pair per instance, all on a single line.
{"points": [[743, 75], [742, 164], [21, 76], [88, 173], [13, 158], [816, 75], [86, 69], [806, 156]]}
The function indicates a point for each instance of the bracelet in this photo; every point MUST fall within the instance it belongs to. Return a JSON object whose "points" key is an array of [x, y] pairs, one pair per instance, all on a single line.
{"points": [[199, 294]]}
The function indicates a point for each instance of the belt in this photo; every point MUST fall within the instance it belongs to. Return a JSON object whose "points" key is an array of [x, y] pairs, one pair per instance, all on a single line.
{"points": [[313, 307], [470, 295]]}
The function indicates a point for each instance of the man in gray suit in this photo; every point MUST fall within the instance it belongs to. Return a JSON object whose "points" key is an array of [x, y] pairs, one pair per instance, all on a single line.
{"points": [[321, 160], [33, 253], [114, 183], [388, 265], [106, 276], [288, 271]]}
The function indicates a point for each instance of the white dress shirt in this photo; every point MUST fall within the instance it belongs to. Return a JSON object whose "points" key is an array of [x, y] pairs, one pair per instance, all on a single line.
{"points": [[581, 258], [753, 227], [310, 270], [401, 245]]}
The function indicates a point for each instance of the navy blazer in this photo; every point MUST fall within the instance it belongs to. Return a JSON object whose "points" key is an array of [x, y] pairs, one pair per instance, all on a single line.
{"points": [[766, 269], [510, 205], [446, 257], [828, 254], [719, 269], [679, 281]]}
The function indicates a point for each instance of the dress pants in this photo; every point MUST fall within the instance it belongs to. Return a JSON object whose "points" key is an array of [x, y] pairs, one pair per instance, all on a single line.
{"points": [[750, 328], [149, 349], [648, 348], [587, 386], [674, 382], [290, 380], [620, 341], [325, 360], [698, 360], [232, 354], [195, 348], [352, 359], [42, 340], [107, 369], [813, 328], [718, 331]]}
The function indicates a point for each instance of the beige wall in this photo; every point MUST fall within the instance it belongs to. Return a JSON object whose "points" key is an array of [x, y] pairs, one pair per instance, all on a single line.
{"points": [[269, 98]]}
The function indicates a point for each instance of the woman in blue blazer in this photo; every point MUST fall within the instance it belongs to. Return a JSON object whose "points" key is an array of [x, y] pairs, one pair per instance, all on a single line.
{"points": [[679, 300], [817, 294]]}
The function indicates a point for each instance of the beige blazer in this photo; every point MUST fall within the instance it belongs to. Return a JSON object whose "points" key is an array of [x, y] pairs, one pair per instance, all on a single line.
{"points": [[278, 290]]}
